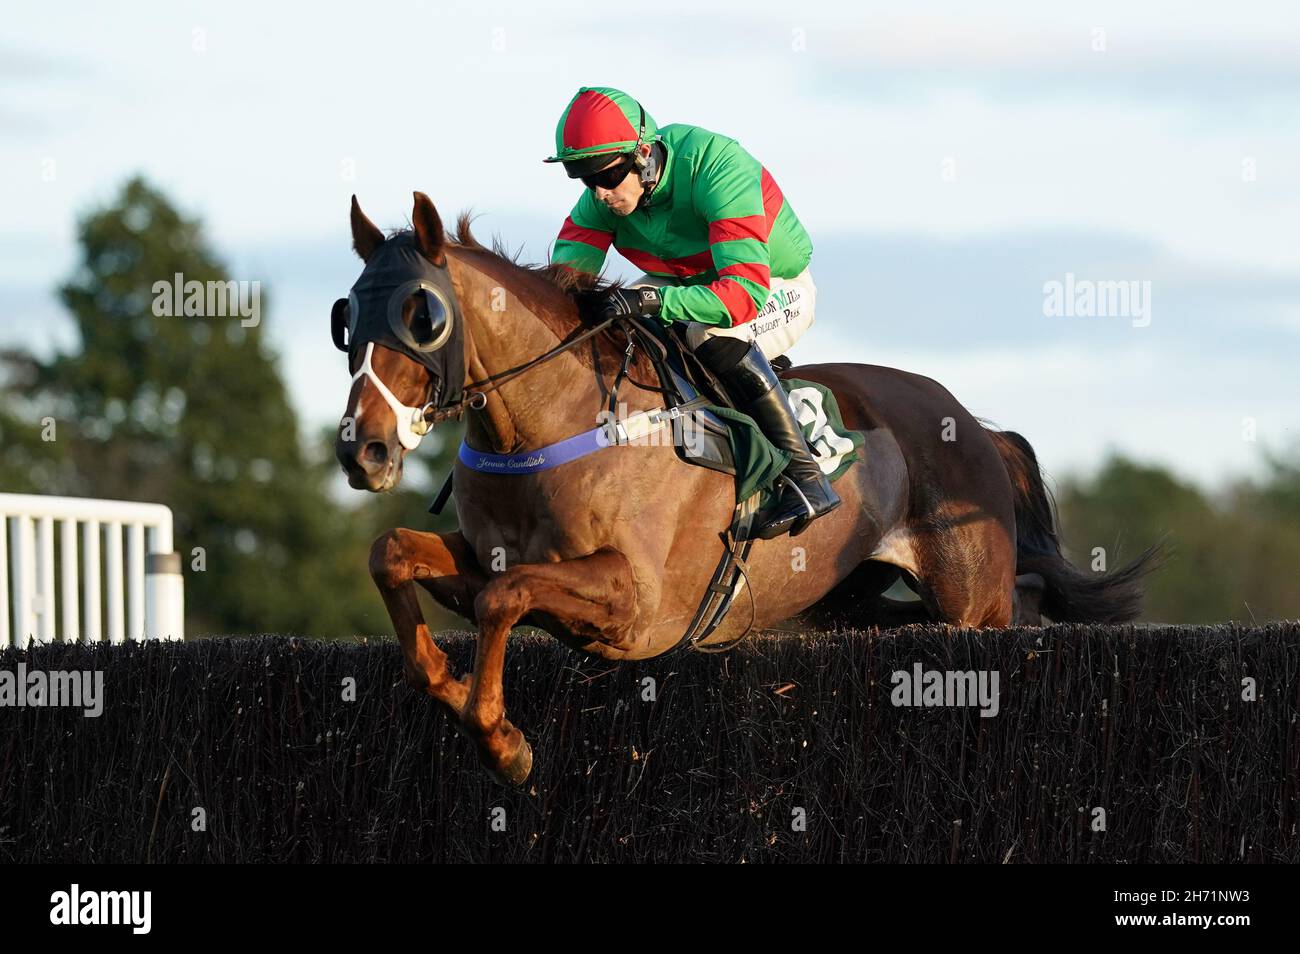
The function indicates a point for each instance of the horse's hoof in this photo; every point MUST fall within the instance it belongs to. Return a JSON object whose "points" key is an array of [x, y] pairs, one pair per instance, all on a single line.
{"points": [[518, 768]]}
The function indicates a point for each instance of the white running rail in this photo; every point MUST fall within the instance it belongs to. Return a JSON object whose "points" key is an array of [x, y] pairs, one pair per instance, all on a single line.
{"points": [[127, 545]]}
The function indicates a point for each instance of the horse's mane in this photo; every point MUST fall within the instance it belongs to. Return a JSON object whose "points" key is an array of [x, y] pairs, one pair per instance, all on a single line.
{"points": [[569, 290], [587, 291]]}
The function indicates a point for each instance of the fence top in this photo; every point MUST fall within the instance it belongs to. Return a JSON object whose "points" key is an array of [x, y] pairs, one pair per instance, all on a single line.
{"points": [[84, 508]]}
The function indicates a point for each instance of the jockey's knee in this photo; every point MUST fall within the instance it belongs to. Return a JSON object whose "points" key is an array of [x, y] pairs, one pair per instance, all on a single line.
{"points": [[721, 353]]}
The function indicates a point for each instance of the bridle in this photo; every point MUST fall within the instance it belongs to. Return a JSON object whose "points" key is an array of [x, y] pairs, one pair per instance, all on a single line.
{"points": [[373, 315], [415, 422], [475, 399]]}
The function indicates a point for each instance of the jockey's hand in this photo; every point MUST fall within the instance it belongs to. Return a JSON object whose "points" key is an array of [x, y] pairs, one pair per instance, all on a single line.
{"points": [[633, 301]]}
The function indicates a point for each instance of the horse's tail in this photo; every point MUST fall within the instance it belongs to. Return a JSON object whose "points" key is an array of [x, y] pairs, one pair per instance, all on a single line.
{"points": [[1070, 595]]}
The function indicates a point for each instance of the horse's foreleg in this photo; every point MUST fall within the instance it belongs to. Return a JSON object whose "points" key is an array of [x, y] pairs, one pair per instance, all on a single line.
{"points": [[592, 596], [444, 565]]}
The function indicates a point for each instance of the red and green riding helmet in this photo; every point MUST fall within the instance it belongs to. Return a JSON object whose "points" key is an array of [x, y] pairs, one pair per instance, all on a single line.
{"points": [[598, 124]]}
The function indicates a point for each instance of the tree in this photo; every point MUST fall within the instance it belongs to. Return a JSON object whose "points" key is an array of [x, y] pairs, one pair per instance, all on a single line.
{"points": [[31, 457], [1229, 559]]}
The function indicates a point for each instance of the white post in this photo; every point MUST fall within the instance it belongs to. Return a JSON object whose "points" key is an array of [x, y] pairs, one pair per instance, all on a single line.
{"points": [[68, 616], [92, 632], [164, 596], [113, 580], [135, 581], [164, 586], [45, 579], [21, 545]]}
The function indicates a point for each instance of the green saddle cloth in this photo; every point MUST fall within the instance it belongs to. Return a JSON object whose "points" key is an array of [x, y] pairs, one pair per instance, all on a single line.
{"points": [[759, 462]]}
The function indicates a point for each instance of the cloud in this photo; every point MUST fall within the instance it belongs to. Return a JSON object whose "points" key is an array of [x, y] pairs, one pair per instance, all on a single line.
{"points": [[900, 290], [26, 64], [25, 72], [1111, 51]]}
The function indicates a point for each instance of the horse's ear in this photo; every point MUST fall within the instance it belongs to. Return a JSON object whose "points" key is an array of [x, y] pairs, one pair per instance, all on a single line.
{"points": [[366, 236], [429, 237]]}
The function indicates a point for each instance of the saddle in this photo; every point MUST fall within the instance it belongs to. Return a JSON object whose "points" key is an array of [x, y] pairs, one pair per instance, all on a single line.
{"points": [[687, 386]]}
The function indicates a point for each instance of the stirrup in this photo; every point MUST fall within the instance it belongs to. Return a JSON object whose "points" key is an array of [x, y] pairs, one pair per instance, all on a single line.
{"points": [[794, 485], [768, 516], [804, 522]]}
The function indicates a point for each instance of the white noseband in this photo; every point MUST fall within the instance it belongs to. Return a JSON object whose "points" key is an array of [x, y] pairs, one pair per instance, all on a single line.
{"points": [[411, 425]]}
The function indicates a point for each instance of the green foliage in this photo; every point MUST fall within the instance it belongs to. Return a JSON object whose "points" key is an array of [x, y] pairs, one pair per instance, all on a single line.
{"points": [[31, 457], [1230, 559]]}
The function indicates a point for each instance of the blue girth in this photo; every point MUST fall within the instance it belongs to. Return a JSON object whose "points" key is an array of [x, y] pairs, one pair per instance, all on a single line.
{"points": [[639, 425], [543, 458]]}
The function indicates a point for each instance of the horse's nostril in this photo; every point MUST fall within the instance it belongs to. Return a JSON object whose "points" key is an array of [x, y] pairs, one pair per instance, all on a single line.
{"points": [[374, 454]]}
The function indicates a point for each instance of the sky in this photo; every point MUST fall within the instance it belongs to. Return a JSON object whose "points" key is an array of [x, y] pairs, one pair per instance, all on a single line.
{"points": [[950, 161]]}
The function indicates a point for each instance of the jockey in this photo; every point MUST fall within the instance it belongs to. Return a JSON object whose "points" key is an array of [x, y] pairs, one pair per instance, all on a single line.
{"points": [[722, 250]]}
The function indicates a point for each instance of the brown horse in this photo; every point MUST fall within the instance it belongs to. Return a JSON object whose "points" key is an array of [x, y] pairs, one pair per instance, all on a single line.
{"points": [[611, 553]]}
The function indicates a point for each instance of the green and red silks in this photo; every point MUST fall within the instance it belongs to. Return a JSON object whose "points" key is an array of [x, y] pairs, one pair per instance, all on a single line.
{"points": [[716, 224]]}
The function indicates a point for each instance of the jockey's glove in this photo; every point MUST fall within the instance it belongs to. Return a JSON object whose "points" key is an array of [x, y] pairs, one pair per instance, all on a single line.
{"points": [[633, 301]]}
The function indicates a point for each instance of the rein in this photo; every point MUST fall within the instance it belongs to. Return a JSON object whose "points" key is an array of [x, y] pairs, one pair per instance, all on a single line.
{"points": [[477, 399]]}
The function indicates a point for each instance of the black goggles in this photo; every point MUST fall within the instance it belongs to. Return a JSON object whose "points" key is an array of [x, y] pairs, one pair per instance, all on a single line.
{"points": [[612, 177]]}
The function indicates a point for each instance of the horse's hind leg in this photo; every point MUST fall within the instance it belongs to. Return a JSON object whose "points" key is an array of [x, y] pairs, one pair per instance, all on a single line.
{"points": [[444, 565], [1029, 599], [968, 572]]}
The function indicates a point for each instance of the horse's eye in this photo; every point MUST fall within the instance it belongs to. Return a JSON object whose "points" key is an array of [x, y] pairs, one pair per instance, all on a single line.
{"points": [[429, 320]]}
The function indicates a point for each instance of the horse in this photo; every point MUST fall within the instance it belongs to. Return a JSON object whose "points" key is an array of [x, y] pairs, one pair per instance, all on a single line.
{"points": [[611, 553]]}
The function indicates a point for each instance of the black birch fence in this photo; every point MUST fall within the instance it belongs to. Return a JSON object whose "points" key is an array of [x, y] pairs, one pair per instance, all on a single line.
{"points": [[1109, 744]]}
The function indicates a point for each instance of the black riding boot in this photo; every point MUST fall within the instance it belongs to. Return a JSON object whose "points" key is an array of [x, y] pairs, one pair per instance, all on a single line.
{"points": [[805, 493]]}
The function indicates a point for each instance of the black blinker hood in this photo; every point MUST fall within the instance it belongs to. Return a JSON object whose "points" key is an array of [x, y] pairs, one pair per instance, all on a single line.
{"points": [[395, 271]]}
